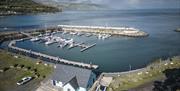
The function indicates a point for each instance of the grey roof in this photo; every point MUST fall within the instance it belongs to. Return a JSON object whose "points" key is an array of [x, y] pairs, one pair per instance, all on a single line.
{"points": [[73, 83], [65, 73]]}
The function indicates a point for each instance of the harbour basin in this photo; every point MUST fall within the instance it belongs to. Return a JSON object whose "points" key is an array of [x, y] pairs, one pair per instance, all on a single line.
{"points": [[115, 53]]}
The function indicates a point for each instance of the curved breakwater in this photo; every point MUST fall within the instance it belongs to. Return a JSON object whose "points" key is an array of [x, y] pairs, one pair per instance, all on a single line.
{"points": [[124, 31]]}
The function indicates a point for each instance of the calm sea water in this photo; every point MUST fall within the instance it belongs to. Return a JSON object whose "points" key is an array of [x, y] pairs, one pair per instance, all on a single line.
{"points": [[116, 53]]}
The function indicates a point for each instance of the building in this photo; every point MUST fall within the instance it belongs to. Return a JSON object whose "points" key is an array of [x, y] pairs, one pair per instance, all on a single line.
{"points": [[72, 78]]}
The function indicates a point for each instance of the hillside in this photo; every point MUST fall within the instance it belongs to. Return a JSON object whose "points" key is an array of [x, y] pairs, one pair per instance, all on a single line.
{"points": [[11, 7], [72, 4]]}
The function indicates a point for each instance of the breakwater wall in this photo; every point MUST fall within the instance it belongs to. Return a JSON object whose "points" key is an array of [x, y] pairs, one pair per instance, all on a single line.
{"points": [[123, 31]]}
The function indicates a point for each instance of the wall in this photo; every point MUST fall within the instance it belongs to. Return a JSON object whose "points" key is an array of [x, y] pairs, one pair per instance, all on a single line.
{"points": [[68, 86]]}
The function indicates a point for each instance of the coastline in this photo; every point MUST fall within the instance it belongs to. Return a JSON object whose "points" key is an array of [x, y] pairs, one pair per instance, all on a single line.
{"points": [[19, 13], [49, 57], [20, 66], [22, 7], [131, 79], [136, 71], [116, 74]]}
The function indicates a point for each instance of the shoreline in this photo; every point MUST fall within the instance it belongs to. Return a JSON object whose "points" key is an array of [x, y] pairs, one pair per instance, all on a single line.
{"points": [[19, 14], [112, 74], [119, 74], [20, 7], [130, 76], [49, 57]]}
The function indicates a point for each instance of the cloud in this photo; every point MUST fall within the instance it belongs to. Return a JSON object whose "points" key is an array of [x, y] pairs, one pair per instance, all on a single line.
{"points": [[133, 1], [131, 4], [141, 4]]}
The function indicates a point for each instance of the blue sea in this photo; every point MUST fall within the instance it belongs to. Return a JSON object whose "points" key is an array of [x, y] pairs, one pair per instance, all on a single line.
{"points": [[115, 53]]}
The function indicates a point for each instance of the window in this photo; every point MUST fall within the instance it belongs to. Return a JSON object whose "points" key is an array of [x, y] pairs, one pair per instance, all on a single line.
{"points": [[69, 89]]}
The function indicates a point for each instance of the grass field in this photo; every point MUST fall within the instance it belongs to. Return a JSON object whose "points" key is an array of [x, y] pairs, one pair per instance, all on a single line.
{"points": [[151, 73], [16, 67]]}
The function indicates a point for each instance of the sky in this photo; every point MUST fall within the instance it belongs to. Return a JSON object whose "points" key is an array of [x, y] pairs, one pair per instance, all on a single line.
{"points": [[132, 4], [139, 4]]}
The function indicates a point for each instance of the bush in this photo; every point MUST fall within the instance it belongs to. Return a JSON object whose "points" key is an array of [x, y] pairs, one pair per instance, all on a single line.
{"points": [[21, 65], [5, 69], [37, 75], [15, 65], [28, 67]]}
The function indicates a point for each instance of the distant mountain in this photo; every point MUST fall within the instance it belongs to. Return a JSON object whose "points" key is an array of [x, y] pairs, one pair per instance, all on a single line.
{"points": [[72, 4], [13, 7]]}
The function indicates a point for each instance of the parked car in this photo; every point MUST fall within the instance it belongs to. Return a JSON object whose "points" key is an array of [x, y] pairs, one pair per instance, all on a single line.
{"points": [[24, 80]]}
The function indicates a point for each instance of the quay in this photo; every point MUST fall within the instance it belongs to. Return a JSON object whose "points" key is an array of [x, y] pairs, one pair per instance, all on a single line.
{"points": [[123, 31], [87, 47], [56, 59]]}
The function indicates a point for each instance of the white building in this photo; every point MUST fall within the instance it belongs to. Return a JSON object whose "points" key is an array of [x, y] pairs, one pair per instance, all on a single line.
{"points": [[73, 78]]}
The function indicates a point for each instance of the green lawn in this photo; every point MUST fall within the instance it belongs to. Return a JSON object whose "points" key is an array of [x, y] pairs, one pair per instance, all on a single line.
{"points": [[9, 77], [152, 72]]}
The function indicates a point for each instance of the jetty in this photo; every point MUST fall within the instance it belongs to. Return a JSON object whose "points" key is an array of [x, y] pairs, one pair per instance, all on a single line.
{"points": [[87, 47], [56, 59], [124, 31]]}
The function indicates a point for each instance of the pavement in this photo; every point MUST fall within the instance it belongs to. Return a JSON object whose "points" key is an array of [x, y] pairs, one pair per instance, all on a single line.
{"points": [[47, 86]]}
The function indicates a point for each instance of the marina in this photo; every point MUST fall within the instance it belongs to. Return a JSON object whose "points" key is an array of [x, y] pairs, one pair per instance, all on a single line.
{"points": [[89, 45], [62, 42], [162, 41], [57, 59]]}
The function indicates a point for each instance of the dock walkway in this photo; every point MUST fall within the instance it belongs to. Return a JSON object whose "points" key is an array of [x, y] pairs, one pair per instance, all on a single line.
{"points": [[57, 59]]}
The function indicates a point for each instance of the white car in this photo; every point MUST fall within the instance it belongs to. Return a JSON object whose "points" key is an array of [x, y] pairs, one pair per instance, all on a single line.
{"points": [[24, 80]]}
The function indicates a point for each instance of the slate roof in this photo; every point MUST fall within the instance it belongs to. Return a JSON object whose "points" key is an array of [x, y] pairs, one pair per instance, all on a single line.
{"points": [[73, 83], [65, 73]]}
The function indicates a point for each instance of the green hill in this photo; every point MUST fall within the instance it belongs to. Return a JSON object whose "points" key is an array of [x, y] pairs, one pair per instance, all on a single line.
{"points": [[11, 7]]}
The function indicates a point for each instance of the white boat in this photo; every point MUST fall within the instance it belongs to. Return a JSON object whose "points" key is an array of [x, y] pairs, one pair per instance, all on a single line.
{"points": [[103, 36], [79, 34], [47, 34], [65, 32], [88, 34], [49, 42], [53, 33], [63, 45], [35, 39], [73, 33], [40, 35], [69, 41], [99, 36], [106, 36]]}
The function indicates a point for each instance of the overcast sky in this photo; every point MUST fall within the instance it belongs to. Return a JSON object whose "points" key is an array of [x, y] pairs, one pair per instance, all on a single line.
{"points": [[131, 4], [139, 4]]}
